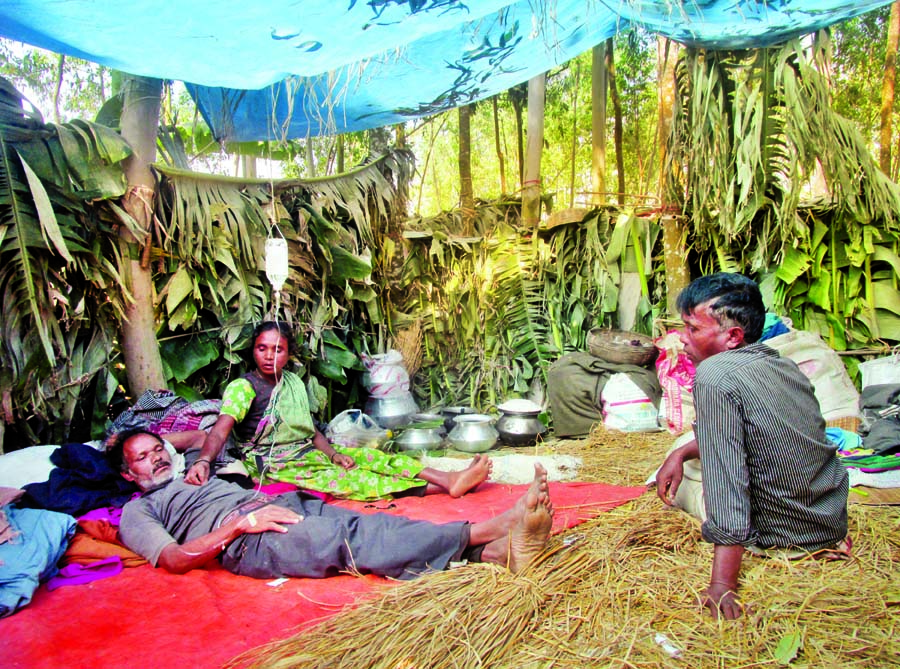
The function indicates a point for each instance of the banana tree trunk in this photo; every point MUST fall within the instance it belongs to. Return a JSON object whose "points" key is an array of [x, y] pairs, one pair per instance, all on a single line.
{"points": [[531, 188], [140, 119]]}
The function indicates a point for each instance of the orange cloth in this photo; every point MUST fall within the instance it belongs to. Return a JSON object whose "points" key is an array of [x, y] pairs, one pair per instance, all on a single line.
{"points": [[95, 540]]}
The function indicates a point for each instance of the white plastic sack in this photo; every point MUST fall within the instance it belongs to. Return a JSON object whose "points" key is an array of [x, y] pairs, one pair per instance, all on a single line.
{"points": [[354, 429], [387, 375], [838, 397], [626, 407], [881, 371]]}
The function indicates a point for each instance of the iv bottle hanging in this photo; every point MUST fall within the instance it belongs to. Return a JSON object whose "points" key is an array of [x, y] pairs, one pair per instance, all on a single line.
{"points": [[276, 262]]}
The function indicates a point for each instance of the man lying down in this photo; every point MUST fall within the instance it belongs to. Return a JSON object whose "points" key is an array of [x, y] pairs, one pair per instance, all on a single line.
{"points": [[179, 526]]}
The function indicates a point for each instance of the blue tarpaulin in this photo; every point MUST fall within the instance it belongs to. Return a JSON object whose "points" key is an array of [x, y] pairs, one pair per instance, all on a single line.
{"points": [[296, 68]]}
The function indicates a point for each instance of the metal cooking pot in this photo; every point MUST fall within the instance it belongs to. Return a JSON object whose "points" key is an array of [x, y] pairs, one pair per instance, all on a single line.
{"points": [[520, 428], [393, 411], [473, 433], [419, 439], [519, 424], [450, 414]]}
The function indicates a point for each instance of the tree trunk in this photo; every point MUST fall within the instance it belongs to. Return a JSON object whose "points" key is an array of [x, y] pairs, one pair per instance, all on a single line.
{"points": [[517, 99], [599, 87], [531, 186], [140, 118], [617, 128], [674, 230], [340, 154], [887, 88], [60, 70], [500, 157], [310, 159], [401, 201], [466, 200], [248, 167], [574, 134]]}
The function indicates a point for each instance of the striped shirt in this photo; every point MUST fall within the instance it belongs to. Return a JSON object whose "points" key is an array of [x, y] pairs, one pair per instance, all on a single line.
{"points": [[770, 476]]}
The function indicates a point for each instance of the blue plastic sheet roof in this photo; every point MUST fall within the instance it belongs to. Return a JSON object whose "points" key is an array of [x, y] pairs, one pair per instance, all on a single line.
{"points": [[295, 68]]}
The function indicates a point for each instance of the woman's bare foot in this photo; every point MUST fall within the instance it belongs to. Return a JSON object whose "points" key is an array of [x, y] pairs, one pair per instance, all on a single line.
{"points": [[465, 480], [529, 536]]}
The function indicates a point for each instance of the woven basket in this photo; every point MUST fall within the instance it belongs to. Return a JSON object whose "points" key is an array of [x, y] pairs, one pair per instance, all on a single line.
{"points": [[849, 423], [621, 346]]}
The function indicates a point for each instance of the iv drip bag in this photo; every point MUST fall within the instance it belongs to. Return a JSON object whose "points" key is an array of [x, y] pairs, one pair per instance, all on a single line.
{"points": [[276, 262]]}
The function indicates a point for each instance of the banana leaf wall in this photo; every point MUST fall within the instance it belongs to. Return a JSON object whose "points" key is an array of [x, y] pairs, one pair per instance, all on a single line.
{"points": [[490, 311], [754, 135]]}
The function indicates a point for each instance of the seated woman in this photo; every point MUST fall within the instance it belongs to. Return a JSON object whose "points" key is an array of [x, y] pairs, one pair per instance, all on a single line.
{"points": [[268, 411]]}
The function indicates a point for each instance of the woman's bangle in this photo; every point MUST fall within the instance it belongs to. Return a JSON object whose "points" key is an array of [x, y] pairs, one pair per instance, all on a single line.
{"points": [[208, 463], [331, 457]]}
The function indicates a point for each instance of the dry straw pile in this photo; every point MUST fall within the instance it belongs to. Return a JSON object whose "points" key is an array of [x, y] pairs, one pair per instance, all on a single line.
{"points": [[605, 590], [409, 343]]}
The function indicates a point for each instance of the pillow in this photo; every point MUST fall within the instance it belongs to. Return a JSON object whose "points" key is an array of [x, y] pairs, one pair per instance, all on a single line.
{"points": [[32, 464], [27, 465]]}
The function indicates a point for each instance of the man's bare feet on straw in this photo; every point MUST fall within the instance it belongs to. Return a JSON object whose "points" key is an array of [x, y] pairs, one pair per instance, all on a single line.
{"points": [[529, 536], [516, 536]]}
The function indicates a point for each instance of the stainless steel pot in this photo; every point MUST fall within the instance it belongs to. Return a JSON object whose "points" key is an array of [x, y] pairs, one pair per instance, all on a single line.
{"points": [[418, 439], [520, 428], [431, 420], [450, 414], [392, 412], [473, 433]]}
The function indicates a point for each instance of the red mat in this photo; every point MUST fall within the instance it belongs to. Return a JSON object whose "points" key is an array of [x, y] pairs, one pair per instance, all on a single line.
{"points": [[149, 618]]}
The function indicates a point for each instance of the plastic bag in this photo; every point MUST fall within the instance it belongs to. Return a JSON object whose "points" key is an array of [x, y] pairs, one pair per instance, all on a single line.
{"points": [[354, 429], [676, 378], [387, 375], [838, 397], [881, 370], [626, 407]]}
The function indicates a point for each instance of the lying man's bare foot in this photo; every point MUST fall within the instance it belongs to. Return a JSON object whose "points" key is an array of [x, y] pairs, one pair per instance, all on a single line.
{"points": [[496, 532], [467, 479], [529, 536]]}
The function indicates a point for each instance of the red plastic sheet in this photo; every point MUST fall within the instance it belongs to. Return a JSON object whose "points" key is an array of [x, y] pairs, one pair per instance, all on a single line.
{"points": [[149, 618]]}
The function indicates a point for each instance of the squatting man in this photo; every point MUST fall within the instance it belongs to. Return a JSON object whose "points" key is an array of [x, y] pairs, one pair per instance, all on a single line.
{"points": [[771, 481]]}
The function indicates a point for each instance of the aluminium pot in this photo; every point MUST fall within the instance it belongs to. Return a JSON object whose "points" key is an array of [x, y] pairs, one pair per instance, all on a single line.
{"points": [[393, 411], [519, 424], [450, 414], [419, 439], [473, 433]]}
